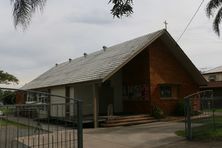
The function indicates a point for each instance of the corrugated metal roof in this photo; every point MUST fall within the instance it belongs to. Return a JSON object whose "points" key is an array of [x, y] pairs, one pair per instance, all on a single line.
{"points": [[95, 66], [214, 70]]}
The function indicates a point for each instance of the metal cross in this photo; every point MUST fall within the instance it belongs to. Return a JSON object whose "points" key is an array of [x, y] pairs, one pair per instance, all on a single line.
{"points": [[165, 23]]}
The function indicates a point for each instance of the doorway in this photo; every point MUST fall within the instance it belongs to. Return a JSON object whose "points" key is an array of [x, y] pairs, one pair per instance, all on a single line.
{"points": [[106, 92]]}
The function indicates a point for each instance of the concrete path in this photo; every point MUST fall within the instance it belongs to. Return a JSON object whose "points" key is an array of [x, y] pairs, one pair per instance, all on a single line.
{"points": [[154, 135]]}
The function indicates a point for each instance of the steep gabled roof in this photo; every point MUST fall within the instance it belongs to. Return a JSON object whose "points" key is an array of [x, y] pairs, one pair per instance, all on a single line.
{"points": [[101, 65]]}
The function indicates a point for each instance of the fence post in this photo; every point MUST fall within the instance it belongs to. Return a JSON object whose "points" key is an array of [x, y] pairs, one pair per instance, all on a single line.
{"points": [[79, 124], [213, 107], [188, 117]]}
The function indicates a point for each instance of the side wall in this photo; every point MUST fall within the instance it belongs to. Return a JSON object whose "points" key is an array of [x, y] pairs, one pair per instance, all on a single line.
{"points": [[71, 95], [116, 83], [165, 69], [57, 108], [218, 76], [80, 91], [85, 92]]}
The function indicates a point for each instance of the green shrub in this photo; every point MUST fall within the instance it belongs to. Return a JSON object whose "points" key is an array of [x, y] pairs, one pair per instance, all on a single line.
{"points": [[157, 112]]}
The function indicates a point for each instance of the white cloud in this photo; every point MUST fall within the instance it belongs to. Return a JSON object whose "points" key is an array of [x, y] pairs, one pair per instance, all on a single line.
{"points": [[67, 29]]}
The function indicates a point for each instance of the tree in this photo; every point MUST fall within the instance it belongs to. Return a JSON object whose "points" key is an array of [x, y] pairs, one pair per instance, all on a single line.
{"points": [[7, 97], [23, 9], [210, 10], [6, 78]]}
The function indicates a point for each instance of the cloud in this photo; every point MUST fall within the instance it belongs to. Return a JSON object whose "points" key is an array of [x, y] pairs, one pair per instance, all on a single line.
{"points": [[67, 29], [98, 17]]}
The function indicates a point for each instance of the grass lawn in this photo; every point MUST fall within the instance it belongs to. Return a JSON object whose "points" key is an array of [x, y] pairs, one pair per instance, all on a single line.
{"points": [[206, 130], [3, 122], [11, 123], [218, 110]]}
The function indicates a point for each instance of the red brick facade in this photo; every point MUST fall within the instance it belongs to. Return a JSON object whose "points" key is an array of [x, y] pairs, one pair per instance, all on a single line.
{"points": [[153, 67], [20, 97], [165, 69]]}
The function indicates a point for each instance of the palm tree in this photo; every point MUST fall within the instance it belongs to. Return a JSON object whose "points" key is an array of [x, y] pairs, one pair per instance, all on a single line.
{"points": [[210, 10], [23, 9]]}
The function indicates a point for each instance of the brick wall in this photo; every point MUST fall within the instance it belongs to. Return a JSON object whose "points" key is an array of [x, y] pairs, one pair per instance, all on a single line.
{"points": [[20, 97], [165, 69], [136, 73]]}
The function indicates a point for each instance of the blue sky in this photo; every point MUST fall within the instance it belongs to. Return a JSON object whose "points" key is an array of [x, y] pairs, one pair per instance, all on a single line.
{"points": [[66, 29]]}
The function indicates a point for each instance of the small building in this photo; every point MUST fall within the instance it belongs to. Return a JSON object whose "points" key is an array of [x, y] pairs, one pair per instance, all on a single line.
{"points": [[131, 77], [213, 75], [214, 79]]}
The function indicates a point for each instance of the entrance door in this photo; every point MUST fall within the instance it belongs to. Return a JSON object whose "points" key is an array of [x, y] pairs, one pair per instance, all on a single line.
{"points": [[136, 99], [105, 97]]}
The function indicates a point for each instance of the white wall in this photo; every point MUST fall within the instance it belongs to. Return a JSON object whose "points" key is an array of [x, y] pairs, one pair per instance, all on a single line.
{"points": [[56, 109], [217, 75], [85, 92], [71, 101], [80, 91]]}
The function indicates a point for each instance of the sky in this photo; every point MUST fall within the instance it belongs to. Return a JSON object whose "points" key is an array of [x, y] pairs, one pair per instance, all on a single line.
{"points": [[68, 28]]}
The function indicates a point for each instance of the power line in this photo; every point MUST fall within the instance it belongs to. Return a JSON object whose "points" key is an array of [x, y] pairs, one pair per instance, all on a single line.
{"points": [[190, 20]]}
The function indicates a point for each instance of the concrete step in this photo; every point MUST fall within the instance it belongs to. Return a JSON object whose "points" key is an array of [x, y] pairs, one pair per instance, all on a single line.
{"points": [[128, 120], [130, 117], [127, 123]]}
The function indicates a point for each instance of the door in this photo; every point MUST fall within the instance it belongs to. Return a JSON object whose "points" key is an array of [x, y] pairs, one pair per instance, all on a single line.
{"points": [[105, 97]]}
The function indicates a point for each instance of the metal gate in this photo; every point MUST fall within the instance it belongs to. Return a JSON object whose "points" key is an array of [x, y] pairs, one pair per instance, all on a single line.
{"points": [[35, 121], [199, 113]]}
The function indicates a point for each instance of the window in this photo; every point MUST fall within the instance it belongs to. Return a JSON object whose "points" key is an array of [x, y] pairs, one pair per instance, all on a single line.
{"points": [[169, 91], [37, 98], [31, 97], [212, 78], [135, 92], [165, 91]]}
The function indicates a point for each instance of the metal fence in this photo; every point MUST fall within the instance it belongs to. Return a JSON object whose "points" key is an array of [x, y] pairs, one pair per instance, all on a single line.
{"points": [[42, 120], [202, 113]]}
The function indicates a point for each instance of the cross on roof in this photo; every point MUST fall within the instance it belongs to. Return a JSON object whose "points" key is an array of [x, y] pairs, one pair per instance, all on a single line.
{"points": [[165, 23]]}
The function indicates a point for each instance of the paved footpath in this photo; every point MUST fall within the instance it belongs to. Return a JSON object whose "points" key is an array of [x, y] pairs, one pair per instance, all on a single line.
{"points": [[154, 135]]}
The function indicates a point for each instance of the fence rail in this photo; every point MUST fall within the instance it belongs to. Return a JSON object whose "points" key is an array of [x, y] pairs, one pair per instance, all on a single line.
{"points": [[43, 120], [202, 112]]}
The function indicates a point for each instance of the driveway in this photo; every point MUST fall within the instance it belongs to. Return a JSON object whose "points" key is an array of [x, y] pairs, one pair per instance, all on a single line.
{"points": [[153, 135]]}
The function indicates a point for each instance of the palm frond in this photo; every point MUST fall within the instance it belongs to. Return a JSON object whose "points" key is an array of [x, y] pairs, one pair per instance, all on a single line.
{"points": [[121, 8], [211, 6], [217, 21], [23, 10]]}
